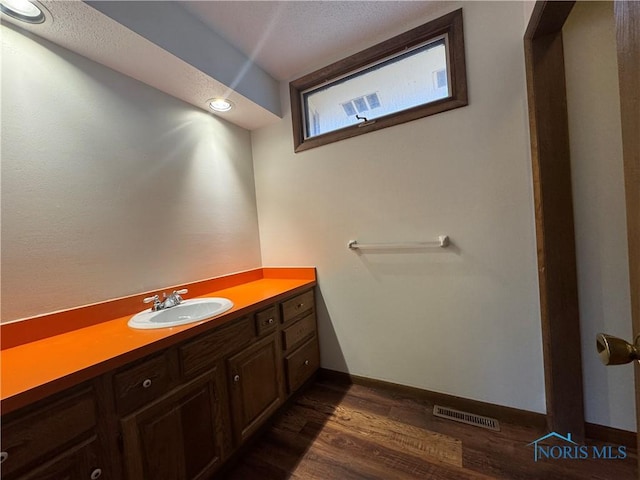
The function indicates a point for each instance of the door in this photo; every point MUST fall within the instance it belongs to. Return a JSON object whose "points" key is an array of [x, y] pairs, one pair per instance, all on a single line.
{"points": [[255, 384], [180, 436], [603, 154], [552, 181], [612, 350], [627, 15]]}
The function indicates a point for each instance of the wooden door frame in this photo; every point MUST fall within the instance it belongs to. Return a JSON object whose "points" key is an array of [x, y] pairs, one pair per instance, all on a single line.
{"points": [[560, 322], [557, 277]]}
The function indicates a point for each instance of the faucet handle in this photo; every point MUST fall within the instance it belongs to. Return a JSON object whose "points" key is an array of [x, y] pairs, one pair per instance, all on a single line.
{"points": [[153, 299], [176, 295]]}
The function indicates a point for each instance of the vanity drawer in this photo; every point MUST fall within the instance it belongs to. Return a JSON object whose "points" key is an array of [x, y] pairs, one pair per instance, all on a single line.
{"points": [[266, 320], [297, 332], [52, 428], [297, 306], [205, 351], [301, 364], [142, 383]]}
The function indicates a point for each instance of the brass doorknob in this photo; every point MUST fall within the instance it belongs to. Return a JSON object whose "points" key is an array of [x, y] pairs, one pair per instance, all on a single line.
{"points": [[615, 351]]}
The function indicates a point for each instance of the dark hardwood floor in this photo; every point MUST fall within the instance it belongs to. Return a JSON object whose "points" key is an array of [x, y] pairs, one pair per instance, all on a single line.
{"points": [[351, 432]]}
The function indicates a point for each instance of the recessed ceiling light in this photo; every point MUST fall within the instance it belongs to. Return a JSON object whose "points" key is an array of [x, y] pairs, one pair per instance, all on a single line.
{"points": [[22, 10], [220, 104]]}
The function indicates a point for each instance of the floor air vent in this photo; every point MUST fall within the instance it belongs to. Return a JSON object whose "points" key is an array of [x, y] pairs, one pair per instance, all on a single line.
{"points": [[465, 417]]}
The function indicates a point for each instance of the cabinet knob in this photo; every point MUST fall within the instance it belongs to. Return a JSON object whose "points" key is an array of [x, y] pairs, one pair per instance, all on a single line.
{"points": [[146, 383], [270, 321], [97, 473], [236, 378], [3, 456], [300, 305], [306, 362]]}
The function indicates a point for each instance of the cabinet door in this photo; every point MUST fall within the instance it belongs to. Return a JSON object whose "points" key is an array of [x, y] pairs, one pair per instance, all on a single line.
{"points": [[180, 436], [78, 463], [256, 386], [53, 439]]}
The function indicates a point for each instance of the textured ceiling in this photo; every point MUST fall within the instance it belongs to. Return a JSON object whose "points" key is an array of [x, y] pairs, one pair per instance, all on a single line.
{"points": [[291, 38], [286, 39], [82, 29]]}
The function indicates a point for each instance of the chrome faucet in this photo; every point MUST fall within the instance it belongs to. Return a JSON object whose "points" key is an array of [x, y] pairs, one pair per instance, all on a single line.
{"points": [[168, 301]]}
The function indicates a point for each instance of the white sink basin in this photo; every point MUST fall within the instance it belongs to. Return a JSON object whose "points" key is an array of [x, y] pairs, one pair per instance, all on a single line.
{"points": [[188, 311]]}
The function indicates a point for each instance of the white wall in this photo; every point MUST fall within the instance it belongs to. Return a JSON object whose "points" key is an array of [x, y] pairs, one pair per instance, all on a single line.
{"points": [[527, 7], [463, 321], [593, 102], [110, 187]]}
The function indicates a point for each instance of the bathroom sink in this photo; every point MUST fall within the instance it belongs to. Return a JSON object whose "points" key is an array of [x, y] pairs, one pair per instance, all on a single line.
{"points": [[189, 311]]}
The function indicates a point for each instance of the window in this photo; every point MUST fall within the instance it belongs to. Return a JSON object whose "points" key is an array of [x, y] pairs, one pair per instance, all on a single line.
{"points": [[440, 78], [358, 105], [416, 74]]}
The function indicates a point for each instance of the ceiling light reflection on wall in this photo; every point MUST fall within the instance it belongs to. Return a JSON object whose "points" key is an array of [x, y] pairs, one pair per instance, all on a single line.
{"points": [[23, 10], [220, 104]]}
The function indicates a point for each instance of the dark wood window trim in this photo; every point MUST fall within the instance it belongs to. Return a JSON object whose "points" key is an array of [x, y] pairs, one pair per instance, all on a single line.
{"points": [[450, 24]]}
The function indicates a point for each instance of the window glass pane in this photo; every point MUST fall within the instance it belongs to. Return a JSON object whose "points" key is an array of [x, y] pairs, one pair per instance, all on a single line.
{"points": [[373, 100], [349, 109], [412, 78], [441, 78], [361, 105]]}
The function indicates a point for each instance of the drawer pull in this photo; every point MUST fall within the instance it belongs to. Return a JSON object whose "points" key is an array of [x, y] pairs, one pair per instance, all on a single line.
{"points": [[306, 362], [270, 321], [97, 473], [146, 383], [3, 456], [236, 378], [299, 306]]}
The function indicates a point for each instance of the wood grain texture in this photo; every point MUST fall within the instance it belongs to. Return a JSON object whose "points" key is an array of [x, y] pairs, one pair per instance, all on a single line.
{"points": [[128, 384], [509, 415], [297, 306], [48, 429], [609, 434], [255, 386], [627, 15], [356, 432], [206, 350], [502, 413], [267, 320], [76, 462], [544, 59], [397, 436], [296, 333], [182, 435], [302, 363]]}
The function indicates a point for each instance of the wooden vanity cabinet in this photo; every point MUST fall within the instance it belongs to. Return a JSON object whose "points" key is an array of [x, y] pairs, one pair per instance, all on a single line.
{"points": [[297, 306], [172, 408], [176, 414], [255, 386], [56, 438], [299, 340], [266, 320], [79, 462], [181, 435], [138, 384]]}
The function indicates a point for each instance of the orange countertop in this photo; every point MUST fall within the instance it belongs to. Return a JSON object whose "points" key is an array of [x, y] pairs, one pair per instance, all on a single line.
{"points": [[33, 367]]}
